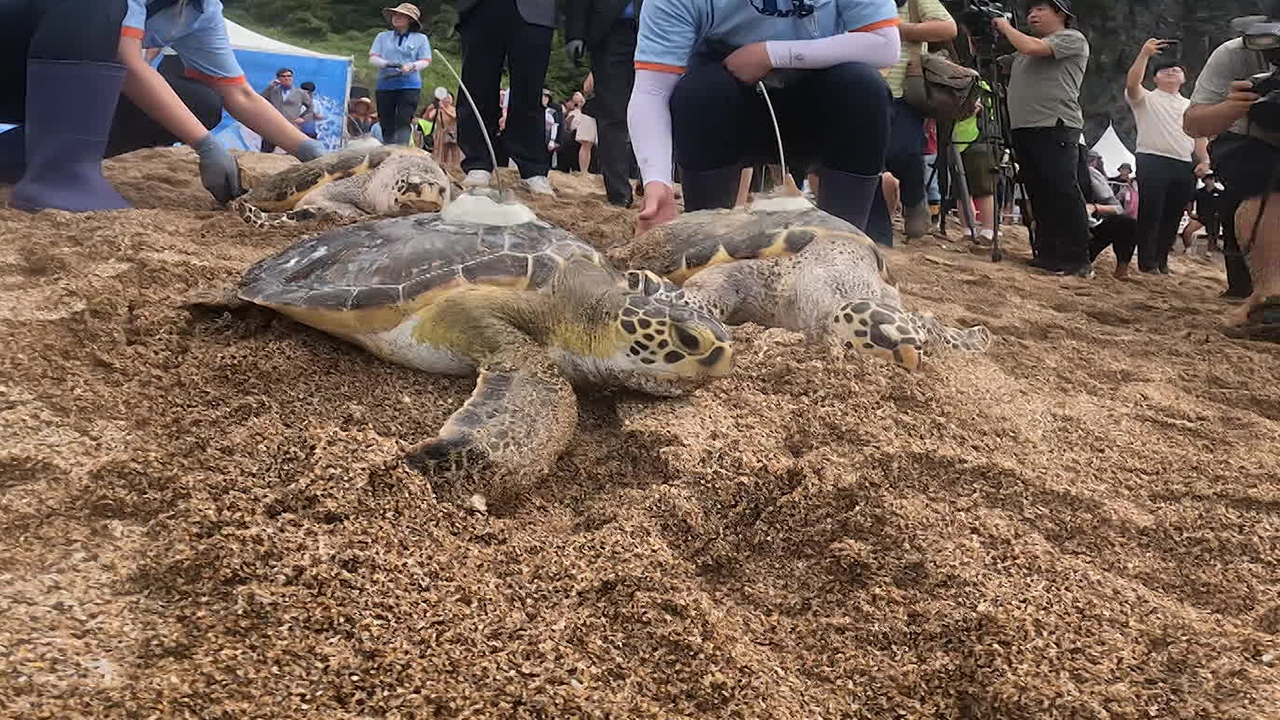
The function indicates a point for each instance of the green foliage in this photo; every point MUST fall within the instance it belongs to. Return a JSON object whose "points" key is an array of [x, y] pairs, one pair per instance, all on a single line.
{"points": [[347, 27]]}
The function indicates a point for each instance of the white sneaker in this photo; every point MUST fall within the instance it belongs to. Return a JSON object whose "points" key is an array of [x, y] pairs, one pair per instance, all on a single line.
{"points": [[539, 185], [477, 178]]}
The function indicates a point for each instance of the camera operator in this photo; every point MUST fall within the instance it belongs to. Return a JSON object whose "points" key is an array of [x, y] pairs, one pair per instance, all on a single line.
{"points": [[1245, 155], [1046, 119]]}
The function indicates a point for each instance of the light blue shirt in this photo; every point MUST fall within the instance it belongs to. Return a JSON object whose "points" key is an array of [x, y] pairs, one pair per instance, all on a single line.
{"points": [[198, 37], [671, 31], [400, 50]]}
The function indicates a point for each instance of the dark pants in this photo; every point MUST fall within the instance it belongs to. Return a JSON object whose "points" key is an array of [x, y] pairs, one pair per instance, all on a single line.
{"points": [[837, 118], [1165, 188], [38, 29], [905, 159], [1050, 160], [395, 114], [1120, 233], [612, 65], [45, 30], [1247, 167], [493, 35]]}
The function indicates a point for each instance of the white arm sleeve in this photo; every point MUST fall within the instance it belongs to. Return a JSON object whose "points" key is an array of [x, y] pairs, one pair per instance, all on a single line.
{"points": [[377, 61], [649, 122], [878, 48]]}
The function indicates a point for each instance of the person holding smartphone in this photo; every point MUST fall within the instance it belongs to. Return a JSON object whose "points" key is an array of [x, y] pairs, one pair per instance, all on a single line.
{"points": [[1165, 154]]}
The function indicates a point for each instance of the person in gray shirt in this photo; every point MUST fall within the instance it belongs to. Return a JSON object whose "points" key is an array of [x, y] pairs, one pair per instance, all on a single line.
{"points": [[1243, 154], [1046, 119]]}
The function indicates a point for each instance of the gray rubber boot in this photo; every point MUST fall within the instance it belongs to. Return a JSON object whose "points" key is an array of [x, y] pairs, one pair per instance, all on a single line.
{"points": [[846, 195], [65, 143]]}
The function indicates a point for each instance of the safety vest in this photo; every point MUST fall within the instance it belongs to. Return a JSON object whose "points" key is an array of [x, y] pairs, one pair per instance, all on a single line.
{"points": [[422, 132]]}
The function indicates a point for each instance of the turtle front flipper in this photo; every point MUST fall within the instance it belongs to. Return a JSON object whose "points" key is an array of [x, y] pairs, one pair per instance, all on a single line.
{"points": [[974, 339], [260, 218], [880, 329], [518, 420]]}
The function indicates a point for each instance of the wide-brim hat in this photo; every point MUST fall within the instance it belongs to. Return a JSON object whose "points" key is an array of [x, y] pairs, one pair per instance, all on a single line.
{"points": [[409, 10], [362, 101]]}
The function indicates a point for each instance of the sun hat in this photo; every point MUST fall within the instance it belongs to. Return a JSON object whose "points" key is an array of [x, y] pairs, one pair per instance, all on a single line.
{"points": [[409, 10], [1063, 6], [360, 100]]}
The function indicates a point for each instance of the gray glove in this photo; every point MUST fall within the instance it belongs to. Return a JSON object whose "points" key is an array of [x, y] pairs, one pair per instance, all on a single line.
{"points": [[219, 172], [574, 49], [310, 150]]}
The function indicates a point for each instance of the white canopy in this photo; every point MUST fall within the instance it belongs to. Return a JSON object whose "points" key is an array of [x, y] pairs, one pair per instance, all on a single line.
{"points": [[242, 38], [1113, 152]]}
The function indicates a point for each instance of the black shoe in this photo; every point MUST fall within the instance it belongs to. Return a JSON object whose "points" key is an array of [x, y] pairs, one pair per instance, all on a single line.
{"points": [[1081, 271], [1230, 294], [1045, 264], [1164, 270]]}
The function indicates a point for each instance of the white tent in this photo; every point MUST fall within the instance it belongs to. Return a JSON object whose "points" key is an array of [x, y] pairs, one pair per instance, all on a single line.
{"points": [[1113, 152]]}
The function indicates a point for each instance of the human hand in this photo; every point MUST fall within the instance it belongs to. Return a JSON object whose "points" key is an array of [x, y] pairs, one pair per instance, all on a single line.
{"points": [[1203, 169], [219, 172], [1151, 48], [749, 63], [1090, 208], [574, 49], [1242, 92], [1001, 23], [299, 122], [659, 207], [309, 150], [406, 68]]}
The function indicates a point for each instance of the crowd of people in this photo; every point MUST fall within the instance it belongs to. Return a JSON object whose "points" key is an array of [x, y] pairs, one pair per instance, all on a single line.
{"points": [[674, 92]]}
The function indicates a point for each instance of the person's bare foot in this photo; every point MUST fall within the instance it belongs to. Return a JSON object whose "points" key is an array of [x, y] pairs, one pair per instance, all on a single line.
{"points": [[1122, 271]]}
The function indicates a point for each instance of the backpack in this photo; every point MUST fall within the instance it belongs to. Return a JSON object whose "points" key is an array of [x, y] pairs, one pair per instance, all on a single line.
{"points": [[934, 86]]}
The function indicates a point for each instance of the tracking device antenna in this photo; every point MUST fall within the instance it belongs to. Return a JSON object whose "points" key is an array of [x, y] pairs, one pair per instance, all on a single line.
{"points": [[789, 188]]}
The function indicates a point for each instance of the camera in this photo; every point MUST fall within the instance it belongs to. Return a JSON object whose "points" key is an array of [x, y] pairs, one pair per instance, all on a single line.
{"points": [[1262, 35], [978, 14]]}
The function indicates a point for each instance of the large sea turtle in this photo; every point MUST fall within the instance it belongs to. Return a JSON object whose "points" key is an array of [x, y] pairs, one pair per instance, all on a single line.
{"points": [[784, 263], [485, 287], [363, 179]]}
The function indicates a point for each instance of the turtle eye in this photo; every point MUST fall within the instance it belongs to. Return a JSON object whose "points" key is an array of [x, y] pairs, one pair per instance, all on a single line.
{"points": [[687, 340]]}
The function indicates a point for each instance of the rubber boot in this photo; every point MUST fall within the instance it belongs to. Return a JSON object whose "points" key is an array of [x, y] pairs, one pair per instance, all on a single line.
{"points": [[13, 155], [65, 142], [915, 221], [846, 195], [710, 189]]}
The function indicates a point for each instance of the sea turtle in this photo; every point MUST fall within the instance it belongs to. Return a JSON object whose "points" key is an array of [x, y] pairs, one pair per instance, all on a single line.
{"points": [[485, 287], [784, 263], [365, 179]]}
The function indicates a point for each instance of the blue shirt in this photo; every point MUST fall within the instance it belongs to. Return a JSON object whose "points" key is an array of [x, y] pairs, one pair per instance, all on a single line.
{"points": [[198, 37], [671, 31], [400, 50]]}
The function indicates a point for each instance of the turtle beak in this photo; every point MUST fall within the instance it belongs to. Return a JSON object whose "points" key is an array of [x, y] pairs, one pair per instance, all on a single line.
{"points": [[427, 195]]}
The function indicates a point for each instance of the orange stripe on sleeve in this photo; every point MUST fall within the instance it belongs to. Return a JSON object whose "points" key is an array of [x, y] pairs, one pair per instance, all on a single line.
{"points": [[131, 32], [211, 79], [659, 67], [877, 25]]}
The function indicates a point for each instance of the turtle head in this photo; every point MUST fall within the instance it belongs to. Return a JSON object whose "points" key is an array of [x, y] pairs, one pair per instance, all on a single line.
{"points": [[422, 189], [661, 344]]}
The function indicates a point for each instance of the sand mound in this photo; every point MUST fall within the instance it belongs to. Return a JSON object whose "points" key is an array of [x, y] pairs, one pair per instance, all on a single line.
{"points": [[203, 516]]}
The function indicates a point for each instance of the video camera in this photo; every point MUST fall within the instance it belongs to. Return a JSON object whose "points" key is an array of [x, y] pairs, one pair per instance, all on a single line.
{"points": [[1262, 35], [976, 16]]}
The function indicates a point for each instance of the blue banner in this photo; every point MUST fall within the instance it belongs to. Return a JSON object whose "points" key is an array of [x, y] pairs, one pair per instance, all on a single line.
{"points": [[330, 96]]}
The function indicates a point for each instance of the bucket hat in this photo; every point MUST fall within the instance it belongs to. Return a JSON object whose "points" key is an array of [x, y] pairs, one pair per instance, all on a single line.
{"points": [[409, 10]]}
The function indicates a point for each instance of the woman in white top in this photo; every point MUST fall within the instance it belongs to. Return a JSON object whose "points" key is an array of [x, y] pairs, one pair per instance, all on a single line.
{"points": [[1165, 151]]}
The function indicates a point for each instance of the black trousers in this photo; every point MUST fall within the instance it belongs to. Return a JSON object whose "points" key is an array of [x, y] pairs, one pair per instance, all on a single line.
{"points": [[395, 114], [613, 66], [1049, 160], [38, 30], [87, 30], [1165, 187], [904, 157], [837, 118], [1247, 167], [493, 35], [1120, 233]]}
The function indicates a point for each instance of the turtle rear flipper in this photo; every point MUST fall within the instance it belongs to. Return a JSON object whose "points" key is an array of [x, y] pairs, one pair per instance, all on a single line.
{"points": [[518, 420]]}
